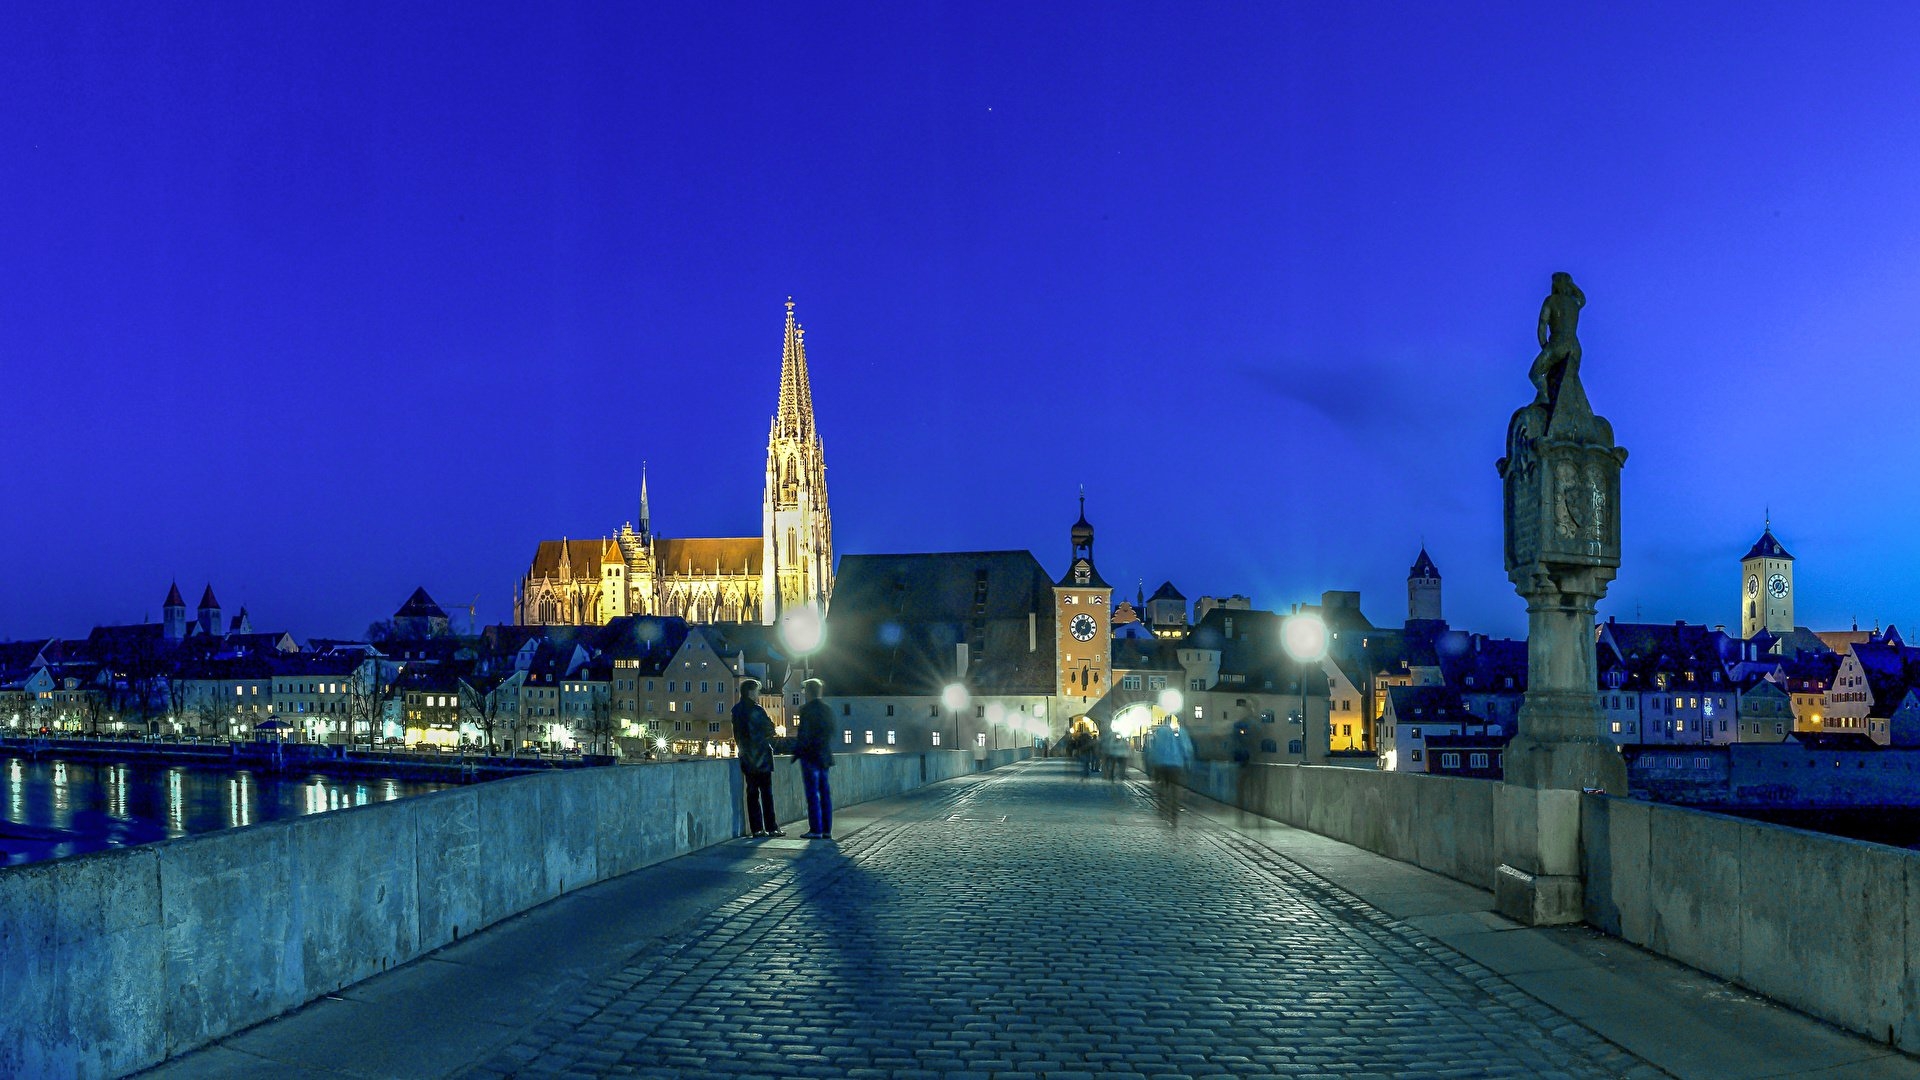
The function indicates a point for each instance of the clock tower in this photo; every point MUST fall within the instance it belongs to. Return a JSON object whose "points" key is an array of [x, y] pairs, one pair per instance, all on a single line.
{"points": [[1082, 625], [1766, 587]]}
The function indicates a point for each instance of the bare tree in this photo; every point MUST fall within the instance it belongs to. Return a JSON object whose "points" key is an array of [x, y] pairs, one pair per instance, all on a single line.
{"points": [[366, 699]]}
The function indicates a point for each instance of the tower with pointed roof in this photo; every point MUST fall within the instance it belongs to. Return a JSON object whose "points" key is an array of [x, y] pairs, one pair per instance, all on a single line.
{"points": [[173, 616], [1423, 589], [1082, 623], [209, 613], [1766, 584], [797, 545]]}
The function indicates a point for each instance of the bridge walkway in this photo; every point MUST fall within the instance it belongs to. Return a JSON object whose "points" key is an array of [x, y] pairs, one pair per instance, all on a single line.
{"points": [[1028, 923]]}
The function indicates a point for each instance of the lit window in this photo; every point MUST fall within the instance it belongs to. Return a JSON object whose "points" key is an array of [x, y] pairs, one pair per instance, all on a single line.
{"points": [[980, 739], [869, 738], [847, 736], [673, 706], [1198, 713], [936, 738], [889, 738]]}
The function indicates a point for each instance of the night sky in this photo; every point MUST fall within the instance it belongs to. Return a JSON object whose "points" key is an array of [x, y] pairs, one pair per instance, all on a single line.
{"points": [[322, 302]]}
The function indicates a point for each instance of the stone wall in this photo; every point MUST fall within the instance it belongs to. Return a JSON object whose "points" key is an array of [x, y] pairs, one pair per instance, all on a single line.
{"points": [[1825, 925], [1439, 823], [1819, 923], [114, 961]]}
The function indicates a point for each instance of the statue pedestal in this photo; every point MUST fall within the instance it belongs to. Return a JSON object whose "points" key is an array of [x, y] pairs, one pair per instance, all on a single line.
{"points": [[1537, 833], [1559, 746]]}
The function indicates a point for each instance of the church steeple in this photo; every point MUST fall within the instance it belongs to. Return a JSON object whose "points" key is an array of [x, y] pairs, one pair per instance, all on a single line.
{"points": [[646, 516], [793, 419], [797, 544]]}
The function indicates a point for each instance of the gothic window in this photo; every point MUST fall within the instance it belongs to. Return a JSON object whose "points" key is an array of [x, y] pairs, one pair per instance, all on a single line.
{"points": [[793, 551]]}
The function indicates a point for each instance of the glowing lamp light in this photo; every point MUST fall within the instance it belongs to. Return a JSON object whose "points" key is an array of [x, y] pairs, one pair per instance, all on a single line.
{"points": [[996, 713], [659, 744], [954, 697], [1171, 701], [1304, 636], [801, 630]]}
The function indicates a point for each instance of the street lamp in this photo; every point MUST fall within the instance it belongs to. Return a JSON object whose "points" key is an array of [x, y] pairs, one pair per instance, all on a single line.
{"points": [[955, 698], [1304, 636]]}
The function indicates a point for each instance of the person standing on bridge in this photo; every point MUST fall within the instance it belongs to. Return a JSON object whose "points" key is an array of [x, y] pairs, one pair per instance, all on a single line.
{"points": [[753, 741], [1170, 755], [813, 749]]}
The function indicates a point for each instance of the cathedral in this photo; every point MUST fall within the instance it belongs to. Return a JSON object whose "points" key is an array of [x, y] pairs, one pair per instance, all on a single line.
{"points": [[706, 579]]}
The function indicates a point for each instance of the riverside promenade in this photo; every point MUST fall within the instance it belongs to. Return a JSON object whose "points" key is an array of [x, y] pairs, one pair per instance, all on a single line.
{"points": [[1029, 923]]}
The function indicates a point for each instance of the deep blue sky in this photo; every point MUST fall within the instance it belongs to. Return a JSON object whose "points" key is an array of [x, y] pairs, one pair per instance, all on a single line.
{"points": [[320, 302]]}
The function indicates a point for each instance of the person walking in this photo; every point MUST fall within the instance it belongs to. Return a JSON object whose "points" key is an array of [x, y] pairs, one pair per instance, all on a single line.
{"points": [[1117, 750], [753, 740], [813, 749], [1170, 755]]}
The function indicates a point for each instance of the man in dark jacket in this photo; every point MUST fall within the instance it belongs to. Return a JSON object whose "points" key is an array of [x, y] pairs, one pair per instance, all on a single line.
{"points": [[813, 749], [753, 739]]}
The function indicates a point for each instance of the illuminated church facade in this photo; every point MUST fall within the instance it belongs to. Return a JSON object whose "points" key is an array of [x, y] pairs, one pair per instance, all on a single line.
{"points": [[706, 579]]}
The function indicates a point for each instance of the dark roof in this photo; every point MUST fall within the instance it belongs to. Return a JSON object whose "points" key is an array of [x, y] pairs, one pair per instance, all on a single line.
{"points": [[650, 639], [20, 655], [1423, 566], [1145, 654], [1430, 705], [207, 600], [173, 596], [895, 621], [419, 606], [1166, 591], [1766, 548], [1891, 671]]}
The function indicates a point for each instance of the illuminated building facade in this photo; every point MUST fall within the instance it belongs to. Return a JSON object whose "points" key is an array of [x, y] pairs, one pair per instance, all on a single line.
{"points": [[706, 579]]}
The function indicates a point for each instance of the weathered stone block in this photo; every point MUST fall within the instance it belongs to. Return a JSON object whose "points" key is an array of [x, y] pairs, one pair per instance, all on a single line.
{"points": [[448, 860], [1693, 888], [233, 940]]}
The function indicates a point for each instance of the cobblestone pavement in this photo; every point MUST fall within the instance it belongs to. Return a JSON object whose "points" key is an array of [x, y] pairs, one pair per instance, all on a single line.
{"points": [[1034, 924]]}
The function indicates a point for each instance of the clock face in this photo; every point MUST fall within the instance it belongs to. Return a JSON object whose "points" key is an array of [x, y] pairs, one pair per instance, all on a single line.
{"points": [[1753, 585], [1082, 627], [1777, 585]]}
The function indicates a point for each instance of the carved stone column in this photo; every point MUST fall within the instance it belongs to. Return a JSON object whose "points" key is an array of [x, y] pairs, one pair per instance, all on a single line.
{"points": [[1561, 481]]}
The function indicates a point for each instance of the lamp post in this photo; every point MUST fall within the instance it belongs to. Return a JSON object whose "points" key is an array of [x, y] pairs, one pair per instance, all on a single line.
{"points": [[1304, 636]]}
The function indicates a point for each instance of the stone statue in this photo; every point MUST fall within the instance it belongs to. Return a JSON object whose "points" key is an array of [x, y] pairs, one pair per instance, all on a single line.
{"points": [[1561, 488], [1559, 339], [1561, 496]]}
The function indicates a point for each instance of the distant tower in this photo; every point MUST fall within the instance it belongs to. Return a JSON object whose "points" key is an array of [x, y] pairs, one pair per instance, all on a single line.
{"points": [[209, 613], [1766, 576], [173, 616], [1082, 627], [1423, 589], [796, 560]]}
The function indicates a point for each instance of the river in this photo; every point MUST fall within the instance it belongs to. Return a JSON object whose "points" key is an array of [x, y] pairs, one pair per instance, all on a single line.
{"points": [[51, 807]]}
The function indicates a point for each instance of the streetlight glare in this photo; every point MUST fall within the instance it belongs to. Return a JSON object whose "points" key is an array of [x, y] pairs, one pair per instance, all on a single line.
{"points": [[801, 630], [1170, 700], [954, 697], [1304, 636]]}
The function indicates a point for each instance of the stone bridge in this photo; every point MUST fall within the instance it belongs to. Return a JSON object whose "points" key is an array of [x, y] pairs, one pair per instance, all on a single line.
{"points": [[1028, 922]]}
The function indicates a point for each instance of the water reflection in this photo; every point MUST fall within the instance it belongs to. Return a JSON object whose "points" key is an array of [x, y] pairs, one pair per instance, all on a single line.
{"points": [[56, 808]]}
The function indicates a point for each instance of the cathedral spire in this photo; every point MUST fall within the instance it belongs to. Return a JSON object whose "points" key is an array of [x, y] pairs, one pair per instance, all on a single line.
{"points": [[794, 418], [646, 517]]}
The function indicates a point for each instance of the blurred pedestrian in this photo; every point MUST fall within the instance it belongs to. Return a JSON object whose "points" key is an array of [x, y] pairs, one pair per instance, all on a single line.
{"points": [[1117, 751], [753, 741], [1170, 755], [813, 749]]}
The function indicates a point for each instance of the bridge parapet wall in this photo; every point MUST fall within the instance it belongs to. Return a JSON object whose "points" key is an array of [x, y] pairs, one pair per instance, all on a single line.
{"points": [[1826, 925], [1438, 823], [115, 961], [1820, 923]]}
